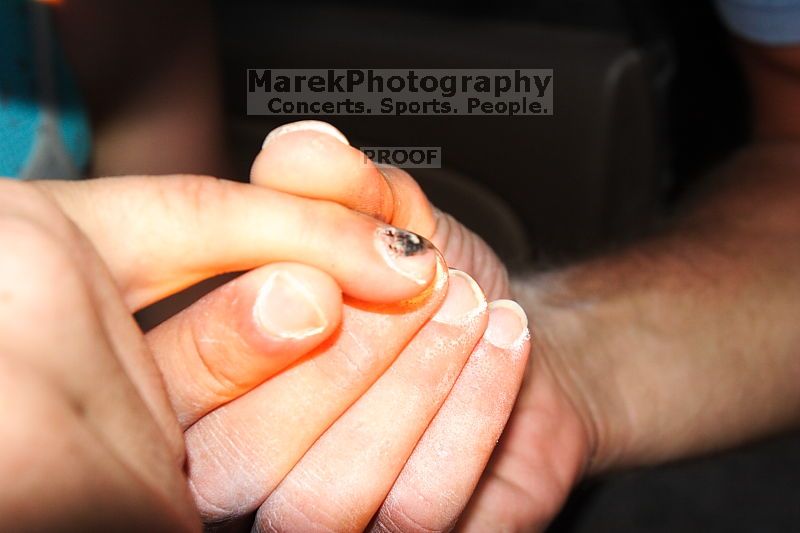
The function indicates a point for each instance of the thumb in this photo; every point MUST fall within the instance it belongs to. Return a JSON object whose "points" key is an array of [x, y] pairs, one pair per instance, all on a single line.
{"points": [[161, 234], [243, 333]]}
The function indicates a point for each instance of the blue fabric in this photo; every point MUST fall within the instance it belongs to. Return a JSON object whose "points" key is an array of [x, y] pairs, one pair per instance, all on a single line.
{"points": [[73, 120], [20, 97], [19, 107], [768, 22]]}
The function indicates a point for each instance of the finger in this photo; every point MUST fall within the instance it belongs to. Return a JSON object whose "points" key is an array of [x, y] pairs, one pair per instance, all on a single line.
{"points": [[161, 234], [466, 251], [411, 207], [540, 457], [312, 159], [243, 333], [240, 452], [440, 476], [342, 480]]}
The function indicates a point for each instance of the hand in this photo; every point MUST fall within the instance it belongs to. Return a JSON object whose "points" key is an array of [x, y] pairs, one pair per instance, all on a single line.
{"points": [[75, 358], [326, 445], [88, 442], [313, 160], [547, 443], [349, 432]]}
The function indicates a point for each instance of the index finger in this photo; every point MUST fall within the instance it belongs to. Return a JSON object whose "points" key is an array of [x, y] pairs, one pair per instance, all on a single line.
{"points": [[313, 159], [159, 235]]}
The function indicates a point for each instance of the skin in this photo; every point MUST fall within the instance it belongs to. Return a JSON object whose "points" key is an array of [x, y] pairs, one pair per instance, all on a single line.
{"points": [[242, 451], [350, 439], [585, 405], [219, 367], [312, 159], [127, 472], [250, 226], [212, 353], [682, 344], [66, 294], [217, 348], [546, 439], [81, 402], [379, 422]]}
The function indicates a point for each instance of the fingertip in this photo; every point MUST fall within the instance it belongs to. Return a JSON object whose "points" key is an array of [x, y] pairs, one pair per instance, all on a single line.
{"points": [[508, 325], [296, 302], [411, 208], [408, 255], [464, 301], [316, 162], [242, 334], [305, 126], [299, 160]]}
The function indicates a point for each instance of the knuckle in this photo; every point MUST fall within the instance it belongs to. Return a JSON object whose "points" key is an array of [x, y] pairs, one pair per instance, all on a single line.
{"points": [[284, 514], [42, 281], [211, 511], [397, 518], [192, 192], [348, 365], [13, 192], [215, 378], [32, 201], [441, 233], [29, 213], [318, 221], [35, 261], [325, 215]]}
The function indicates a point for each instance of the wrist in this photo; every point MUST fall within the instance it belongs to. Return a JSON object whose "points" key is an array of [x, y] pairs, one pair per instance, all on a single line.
{"points": [[568, 343]]}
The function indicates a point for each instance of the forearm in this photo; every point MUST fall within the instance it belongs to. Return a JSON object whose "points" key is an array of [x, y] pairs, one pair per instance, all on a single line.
{"points": [[688, 342]]}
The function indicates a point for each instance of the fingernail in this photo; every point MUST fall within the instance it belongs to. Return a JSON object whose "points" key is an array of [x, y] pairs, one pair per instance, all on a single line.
{"points": [[306, 125], [464, 300], [286, 308], [508, 324], [408, 254]]}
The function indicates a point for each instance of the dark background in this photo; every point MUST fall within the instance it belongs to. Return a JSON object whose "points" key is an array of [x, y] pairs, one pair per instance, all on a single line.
{"points": [[648, 98]]}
